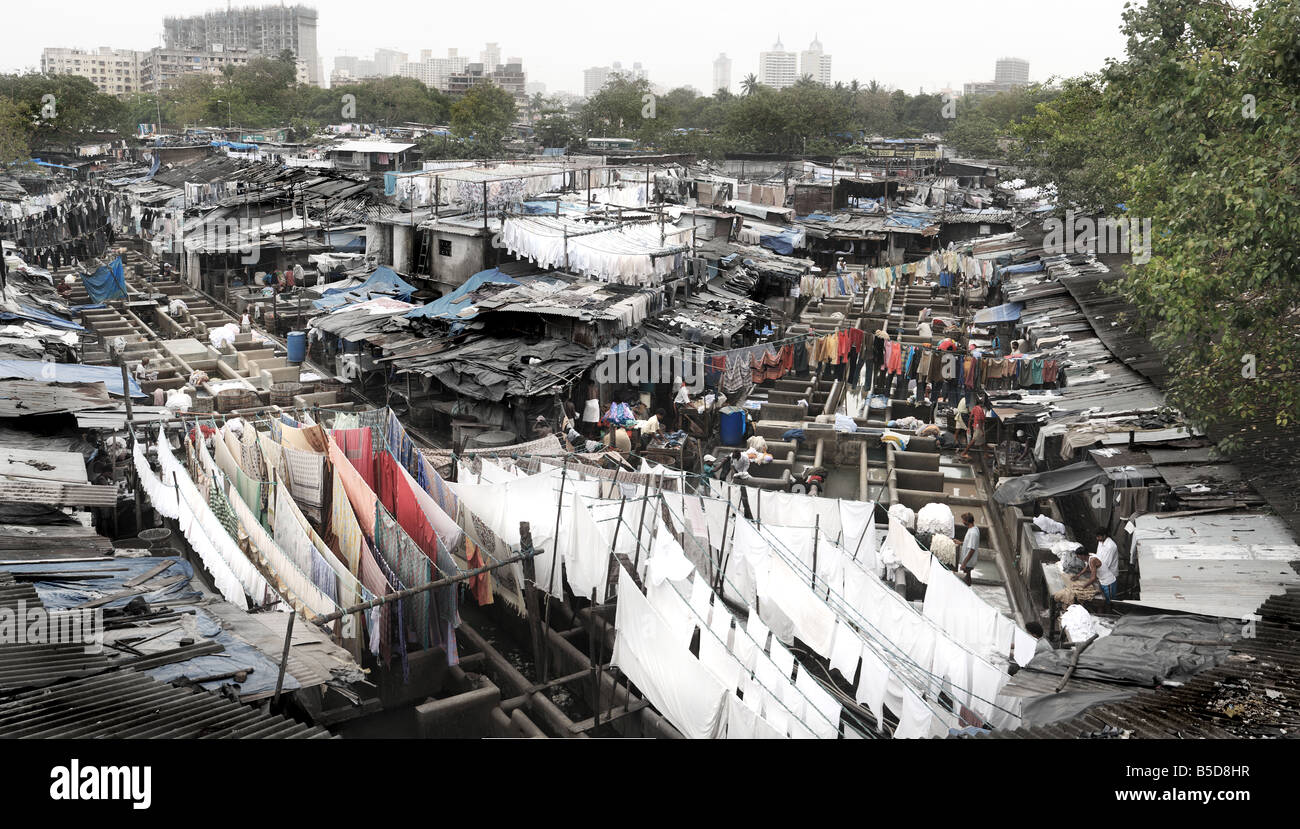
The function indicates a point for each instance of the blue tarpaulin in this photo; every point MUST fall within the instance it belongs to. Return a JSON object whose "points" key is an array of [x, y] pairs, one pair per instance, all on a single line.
{"points": [[450, 306], [234, 145], [1027, 267], [782, 242], [40, 163], [110, 376], [107, 282], [383, 282], [1009, 312], [26, 312]]}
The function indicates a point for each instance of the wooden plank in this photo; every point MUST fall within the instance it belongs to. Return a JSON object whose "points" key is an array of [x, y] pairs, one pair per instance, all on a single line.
{"points": [[131, 591], [153, 571]]}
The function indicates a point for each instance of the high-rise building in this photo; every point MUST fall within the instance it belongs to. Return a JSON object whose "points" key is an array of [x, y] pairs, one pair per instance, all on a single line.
{"points": [[594, 79], [1012, 71], [388, 62], [113, 71], [777, 68], [722, 72], [435, 72], [535, 88], [815, 63], [162, 68], [265, 30], [490, 57], [509, 77]]}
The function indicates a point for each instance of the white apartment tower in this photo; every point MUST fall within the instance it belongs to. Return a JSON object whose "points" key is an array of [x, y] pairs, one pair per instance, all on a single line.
{"points": [[490, 57], [1013, 71], [721, 73], [815, 63], [113, 71], [778, 68]]}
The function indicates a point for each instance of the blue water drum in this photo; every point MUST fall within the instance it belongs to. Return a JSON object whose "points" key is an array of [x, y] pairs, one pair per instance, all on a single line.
{"points": [[732, 426], [297, 342]]}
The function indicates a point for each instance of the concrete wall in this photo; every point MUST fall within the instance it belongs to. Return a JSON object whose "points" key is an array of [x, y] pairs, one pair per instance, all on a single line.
{"points": [[467, 258]]}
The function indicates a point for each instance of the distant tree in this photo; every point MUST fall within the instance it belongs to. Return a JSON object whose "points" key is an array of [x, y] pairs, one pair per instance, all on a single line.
{"points": [[15, 132], [484, 114], [555, 129], [750, 84]]}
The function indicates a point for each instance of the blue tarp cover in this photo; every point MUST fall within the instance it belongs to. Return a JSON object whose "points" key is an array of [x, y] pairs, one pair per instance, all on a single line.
{"points": [[782, 242], [383, 282], [26, 312], [1008, 312], [1027, 267], [110, 376], [107, 282], [234, 145], [449, 306]]}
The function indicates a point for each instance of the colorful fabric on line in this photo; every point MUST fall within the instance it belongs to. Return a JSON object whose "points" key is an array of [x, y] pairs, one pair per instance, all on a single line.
{"points": [[346, 532], [357, 446], [306, 476], [414, 568]]}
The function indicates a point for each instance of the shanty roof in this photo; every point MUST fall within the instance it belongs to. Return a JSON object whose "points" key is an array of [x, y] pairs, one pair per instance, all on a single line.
{"points": [[490, 368], [1217, 564], [368, 146]]}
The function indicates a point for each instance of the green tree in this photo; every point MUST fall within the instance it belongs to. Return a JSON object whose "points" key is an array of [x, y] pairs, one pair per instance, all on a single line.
{"points": [[15, 132], [1196, 129], [484, 114], [750, 84], [555, 129], [974, 135]]}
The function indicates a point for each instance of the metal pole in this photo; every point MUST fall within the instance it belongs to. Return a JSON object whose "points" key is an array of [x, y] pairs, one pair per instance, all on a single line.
{"points": [[817, 531]]}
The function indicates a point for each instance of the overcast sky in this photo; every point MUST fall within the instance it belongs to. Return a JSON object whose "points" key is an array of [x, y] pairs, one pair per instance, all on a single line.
{"points": [[910, 45]]}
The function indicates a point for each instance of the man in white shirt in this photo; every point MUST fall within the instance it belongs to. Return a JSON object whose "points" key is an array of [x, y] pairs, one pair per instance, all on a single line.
{"points": [[1103, 565], [923, 329], [969, 555]]}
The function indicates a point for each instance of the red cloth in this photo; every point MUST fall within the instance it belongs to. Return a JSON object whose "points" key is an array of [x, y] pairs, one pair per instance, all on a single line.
{"points": [[977, 417], [396, 495], [481, 585], [356, 446]]}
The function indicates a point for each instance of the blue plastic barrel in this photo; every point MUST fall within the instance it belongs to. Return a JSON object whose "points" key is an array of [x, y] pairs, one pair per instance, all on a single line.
{"points": [[297, 343], [732, 426]]}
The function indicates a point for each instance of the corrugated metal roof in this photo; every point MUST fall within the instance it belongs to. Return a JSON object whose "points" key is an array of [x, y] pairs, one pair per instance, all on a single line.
{"points": [[1215, 564], [1255, 693]]}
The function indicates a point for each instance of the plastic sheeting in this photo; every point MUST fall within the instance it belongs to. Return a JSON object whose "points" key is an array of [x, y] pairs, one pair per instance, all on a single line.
{"points": [[110, 376], [107, 282], [452, 306], [57, 594], [1063, 481], [1008, 312], [383, 282]]}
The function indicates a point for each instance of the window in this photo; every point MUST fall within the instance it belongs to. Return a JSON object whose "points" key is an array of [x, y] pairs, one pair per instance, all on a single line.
{"points": [[444, 247]]}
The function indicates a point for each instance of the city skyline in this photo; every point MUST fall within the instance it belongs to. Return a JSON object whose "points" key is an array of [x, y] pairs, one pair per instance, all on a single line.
{"points": [[1030, 35]]}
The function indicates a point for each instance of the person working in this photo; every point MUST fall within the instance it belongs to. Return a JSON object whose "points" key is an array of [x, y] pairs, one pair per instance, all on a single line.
{"points": [[969, 555], [739, 466], [1103, 565], [977, 417]]}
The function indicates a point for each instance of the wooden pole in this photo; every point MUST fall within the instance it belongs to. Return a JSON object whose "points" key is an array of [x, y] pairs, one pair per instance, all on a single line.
{"points": [[284, 659], [817, 531], [555, 565]]}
